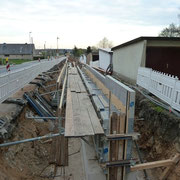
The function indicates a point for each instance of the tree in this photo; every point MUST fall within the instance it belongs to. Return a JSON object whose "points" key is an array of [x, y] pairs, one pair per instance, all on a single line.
{"points": [[171, 31], [77, 52], [105, 43], [88, 50]]}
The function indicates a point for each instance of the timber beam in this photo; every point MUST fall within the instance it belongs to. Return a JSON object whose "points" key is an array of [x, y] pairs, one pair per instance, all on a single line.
{"points": [[155, 164]]}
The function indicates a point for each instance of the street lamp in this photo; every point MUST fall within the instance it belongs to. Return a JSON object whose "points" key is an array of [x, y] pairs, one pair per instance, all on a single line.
{"points": [[57, 44], [30, 37], [45, 49], [45, 45]]}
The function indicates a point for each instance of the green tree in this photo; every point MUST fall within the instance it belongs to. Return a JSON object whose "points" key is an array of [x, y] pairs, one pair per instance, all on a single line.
{"points": [[77, 52], [171, 31], [88, 50]]}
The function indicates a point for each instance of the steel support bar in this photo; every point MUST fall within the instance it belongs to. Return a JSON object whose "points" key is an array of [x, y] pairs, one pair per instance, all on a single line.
{"points": [[49, 72], [29, 140], [49, 92], [141, 159], [51, 85], [42, 117], [86, 141], [118, 163]]}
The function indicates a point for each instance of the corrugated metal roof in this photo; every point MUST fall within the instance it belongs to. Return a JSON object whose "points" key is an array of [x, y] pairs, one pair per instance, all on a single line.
{"points": [[146, 38], [16, 49]]}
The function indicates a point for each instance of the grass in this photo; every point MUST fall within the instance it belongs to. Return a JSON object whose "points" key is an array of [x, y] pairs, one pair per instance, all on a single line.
{"points": [[14, 61], [156, 107]]}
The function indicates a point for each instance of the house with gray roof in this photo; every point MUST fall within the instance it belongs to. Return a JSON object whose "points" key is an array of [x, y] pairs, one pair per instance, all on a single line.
{"points": [[17, 51]]}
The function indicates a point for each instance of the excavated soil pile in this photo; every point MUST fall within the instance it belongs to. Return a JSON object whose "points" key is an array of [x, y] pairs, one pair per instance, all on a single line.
{"points": [[26, 160]]}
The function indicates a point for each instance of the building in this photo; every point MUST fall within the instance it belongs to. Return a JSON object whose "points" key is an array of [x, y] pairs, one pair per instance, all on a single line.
{"points": [[159, 53], [105, 58], [17, 51]]}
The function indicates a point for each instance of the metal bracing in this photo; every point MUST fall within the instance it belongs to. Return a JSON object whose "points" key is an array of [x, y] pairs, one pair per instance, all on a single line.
{"points": [[29, 140]]}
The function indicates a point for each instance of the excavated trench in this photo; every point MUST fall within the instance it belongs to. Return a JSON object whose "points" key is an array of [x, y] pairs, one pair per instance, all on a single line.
{"points": [[26, 161], [160, 134], [159, 129]]}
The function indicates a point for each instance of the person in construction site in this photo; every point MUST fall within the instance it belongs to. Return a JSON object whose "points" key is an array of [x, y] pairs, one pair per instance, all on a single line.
{"points": [[7, 65]]}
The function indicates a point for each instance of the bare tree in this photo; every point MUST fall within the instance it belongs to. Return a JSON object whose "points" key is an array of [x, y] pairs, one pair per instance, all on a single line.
{"points": [[171, 31], [105, 43]]}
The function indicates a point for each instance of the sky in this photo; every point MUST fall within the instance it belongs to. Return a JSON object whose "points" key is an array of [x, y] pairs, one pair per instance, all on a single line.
{"points": [[83, 22]]}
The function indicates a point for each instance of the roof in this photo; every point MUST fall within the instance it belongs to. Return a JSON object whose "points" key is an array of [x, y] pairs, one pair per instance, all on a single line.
{"points": [[16, 49], [108, 50], [142, 38]]}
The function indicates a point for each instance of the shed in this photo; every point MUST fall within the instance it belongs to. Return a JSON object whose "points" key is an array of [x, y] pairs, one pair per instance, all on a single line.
{"points": [[159, 53], [105, 56]]}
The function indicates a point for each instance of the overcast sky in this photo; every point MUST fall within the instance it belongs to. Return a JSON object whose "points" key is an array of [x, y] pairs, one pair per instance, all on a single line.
{"points": [[83, 22]]}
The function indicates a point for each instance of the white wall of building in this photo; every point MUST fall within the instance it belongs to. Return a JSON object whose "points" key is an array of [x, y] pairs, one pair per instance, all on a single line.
{"points": [[82, 59], [127, 60], [104, 58]]}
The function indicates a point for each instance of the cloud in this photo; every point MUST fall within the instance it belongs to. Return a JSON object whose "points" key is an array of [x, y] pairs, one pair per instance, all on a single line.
{"points": [[84, 22]]}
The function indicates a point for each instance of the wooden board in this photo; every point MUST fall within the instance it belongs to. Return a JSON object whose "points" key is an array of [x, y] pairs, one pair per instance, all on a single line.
{"points": [[75, 82], [81, 118], [112, 171], [61, 76], [95, 121], [168, 170], [116, 147], [150, 165], [69, 125], [86, 124]]}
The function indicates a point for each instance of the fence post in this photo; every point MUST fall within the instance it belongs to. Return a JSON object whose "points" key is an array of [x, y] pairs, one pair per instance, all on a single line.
{"points": [[173, 91], [149, 83]]}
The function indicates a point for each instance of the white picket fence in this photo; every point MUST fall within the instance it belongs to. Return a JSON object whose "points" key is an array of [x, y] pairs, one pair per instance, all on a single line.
{"points": [[94, 64], [164, 86], [12, 81]]}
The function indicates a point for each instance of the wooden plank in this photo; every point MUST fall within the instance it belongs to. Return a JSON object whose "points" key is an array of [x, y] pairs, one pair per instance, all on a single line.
{"points": [[81, 85], [78, 131], [84, 116], [132, 136], [168, 170], [76, 80], [112, 171], [150, 165], [81, 118], [69, 124], [95, 121], [126, 128], [61, 76], [103, 101], [63, 91], [72, 83], [122, 120]]}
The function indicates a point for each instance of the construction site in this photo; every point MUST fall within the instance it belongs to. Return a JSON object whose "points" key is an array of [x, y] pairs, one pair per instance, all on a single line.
{"points": [[76, 122]]}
